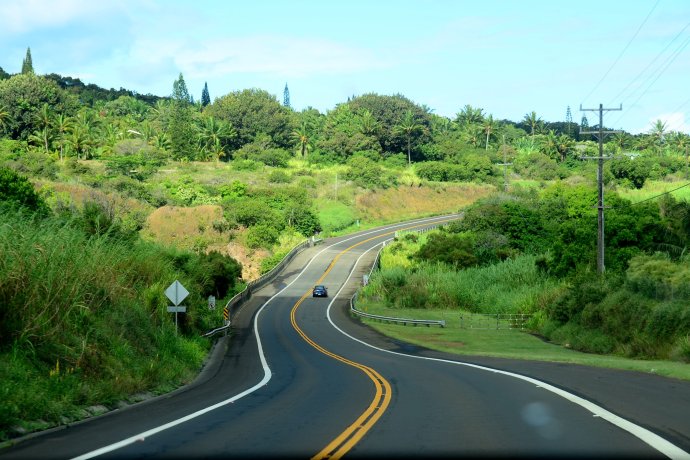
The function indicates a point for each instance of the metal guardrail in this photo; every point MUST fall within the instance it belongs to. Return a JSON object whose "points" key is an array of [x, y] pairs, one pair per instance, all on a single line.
{"points": [[392, 319], [213, 332], [495, 321], [261, 281], [270, 275]]}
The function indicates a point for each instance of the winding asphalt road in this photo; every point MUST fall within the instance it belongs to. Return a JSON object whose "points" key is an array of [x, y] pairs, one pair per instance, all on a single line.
{"points": [[300, 378]]}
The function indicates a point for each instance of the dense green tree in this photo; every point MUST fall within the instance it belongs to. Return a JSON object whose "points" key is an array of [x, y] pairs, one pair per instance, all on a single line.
{"points": [[387, 111], [205, 97], [253, 112], [127, 106], [181, 129], [3, 75], [24, 95], [16, 190], [368, 123], [27, 64]]}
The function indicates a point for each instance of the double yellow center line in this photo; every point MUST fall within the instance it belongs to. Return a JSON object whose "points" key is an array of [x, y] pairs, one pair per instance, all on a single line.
{"points": [[354, 433]]}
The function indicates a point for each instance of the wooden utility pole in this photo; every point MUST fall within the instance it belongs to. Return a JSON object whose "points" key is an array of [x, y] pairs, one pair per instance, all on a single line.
{"points": [[600, 133]]}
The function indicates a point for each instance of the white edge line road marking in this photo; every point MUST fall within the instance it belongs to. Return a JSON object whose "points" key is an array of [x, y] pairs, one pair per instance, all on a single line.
{"points": [[653, 440], [264, 364]]}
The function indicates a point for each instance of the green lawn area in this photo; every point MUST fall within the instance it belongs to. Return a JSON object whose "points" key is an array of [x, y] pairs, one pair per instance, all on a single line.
{"points": [[335, 215], [504, 343], [653, 188]]}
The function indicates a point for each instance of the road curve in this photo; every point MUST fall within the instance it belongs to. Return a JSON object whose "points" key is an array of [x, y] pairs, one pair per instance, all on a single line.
{"points": [[299, 377]]}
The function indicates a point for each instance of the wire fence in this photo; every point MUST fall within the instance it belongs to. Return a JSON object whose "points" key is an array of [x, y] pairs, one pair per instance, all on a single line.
{"points": [[494, 321]]}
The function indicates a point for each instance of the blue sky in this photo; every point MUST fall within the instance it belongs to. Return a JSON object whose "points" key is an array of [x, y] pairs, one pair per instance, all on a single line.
{"points": [[507, 57]]}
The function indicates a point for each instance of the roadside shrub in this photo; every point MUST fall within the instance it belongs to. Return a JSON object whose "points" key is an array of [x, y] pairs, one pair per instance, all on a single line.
{"points": [[453, 249], [35, 164], [16, 190], [279, 177], [262, 235], [224, 271], [246, 165], [366, 173]]}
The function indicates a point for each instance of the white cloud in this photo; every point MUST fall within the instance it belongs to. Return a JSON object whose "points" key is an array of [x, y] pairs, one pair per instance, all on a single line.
{"points": [[28, 15], [674, 122], [283, 56]]}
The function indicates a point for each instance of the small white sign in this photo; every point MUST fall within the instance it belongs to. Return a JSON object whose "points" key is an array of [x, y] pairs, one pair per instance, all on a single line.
{"points": [[176, 293], [211, 302], [177, 309]]}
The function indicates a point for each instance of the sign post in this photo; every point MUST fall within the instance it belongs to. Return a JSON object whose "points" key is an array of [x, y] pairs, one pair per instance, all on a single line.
{"points": [[176, 293], [211, 302]]}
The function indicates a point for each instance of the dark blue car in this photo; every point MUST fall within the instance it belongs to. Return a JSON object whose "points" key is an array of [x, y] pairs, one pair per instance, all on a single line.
{"points": [[320, 291]]}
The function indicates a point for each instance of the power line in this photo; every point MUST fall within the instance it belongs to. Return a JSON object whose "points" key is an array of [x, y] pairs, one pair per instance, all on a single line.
{"points": [[617, 97], [666, 65], [624, 50]]}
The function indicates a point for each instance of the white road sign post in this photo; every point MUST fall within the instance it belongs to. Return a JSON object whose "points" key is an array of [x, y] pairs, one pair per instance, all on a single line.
{"points": [[176, 293], [211, 302]]}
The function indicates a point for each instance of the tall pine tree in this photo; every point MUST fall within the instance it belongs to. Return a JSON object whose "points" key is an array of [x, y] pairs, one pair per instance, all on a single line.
{"points": [[27, 64], [181, 129], [205, 98], [286, 96]]}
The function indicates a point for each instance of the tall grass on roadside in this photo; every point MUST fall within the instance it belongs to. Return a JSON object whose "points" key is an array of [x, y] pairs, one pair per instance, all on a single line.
{"points": [[512, 286], [83, 321]]}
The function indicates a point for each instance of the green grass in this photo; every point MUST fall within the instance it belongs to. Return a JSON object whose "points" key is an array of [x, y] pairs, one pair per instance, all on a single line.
{"points": [[512, 286], [335, 215], [653, 188], [83, 321], [503, 343]]}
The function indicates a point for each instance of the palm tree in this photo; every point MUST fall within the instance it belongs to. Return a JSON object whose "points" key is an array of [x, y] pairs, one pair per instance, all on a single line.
{"points": [[549, 143], [80, 139], [473, 135], [621, 140], [44, 120], [216, 150], [368, 123], [408, 126], [469, 115], [681, 144], [488, 127], [211, 135], [161, 141], [533, 121], [658, 132], [564, 145], [62, 125], [301, 137], [4, 117]]}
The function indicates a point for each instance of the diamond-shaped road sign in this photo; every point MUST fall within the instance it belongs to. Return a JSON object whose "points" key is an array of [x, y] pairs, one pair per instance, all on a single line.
{"points": [[176, 293]]}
